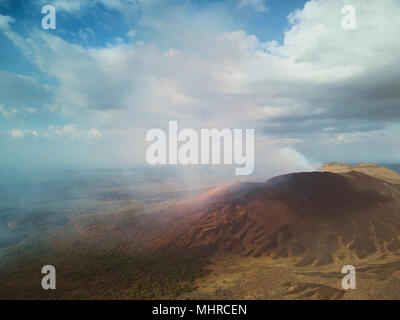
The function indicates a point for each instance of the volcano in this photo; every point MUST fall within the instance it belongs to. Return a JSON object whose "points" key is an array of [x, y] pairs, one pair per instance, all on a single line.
{"points": [[286, 238], [313, 218]]}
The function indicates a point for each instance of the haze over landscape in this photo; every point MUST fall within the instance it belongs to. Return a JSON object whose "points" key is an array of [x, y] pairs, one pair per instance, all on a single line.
{"points": [[76, 191], [130, 234]]}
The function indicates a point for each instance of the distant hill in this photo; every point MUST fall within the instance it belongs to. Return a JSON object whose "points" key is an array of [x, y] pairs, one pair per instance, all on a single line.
{"points": [[370, 169]]}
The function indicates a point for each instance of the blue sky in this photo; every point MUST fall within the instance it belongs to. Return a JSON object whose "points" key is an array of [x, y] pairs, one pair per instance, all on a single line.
{"points": [[87, 92]]}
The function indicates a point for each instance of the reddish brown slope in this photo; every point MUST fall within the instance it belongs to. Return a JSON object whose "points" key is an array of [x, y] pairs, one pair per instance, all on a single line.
{"points": [[314, 217]]}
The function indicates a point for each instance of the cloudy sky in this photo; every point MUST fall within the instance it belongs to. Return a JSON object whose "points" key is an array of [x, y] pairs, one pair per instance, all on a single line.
{"points": [[87, 92]]}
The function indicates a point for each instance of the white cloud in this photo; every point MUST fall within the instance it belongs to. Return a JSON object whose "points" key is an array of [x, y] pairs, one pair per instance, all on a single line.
{"points": [[4, 112], [5, 22], [320, 78], [131, 33], [94, 134], [31, 110], [257, 5], [86, 34], [73, 132], [351, 137], [317, 71], [69, 130], [11, 112], [74, 6], [22, 91], [16, 133], [172, 52], [283, 141]]}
